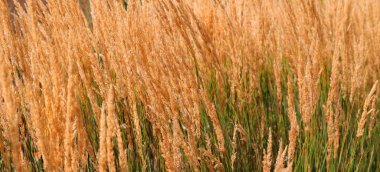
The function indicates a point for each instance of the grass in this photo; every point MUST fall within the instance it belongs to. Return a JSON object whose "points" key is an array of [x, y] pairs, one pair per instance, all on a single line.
{"points": [[170, 86]]}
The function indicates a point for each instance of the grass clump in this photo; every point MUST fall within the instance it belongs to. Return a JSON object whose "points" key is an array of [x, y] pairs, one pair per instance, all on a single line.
{"points": [[186, 85]]}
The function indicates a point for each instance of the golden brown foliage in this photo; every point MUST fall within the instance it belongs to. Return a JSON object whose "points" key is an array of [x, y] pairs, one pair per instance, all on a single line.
{"points": [[128, 85]]}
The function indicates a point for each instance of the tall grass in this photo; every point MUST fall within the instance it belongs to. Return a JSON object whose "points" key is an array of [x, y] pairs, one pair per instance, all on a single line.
{"points": [[180, 85]]}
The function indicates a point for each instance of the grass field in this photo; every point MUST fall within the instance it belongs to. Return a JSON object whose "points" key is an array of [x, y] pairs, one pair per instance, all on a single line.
{"points": [[189, 85]]}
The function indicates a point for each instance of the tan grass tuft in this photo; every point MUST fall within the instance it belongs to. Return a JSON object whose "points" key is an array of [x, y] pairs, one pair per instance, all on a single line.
{"points": [[364, 115], [267, 157]]}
